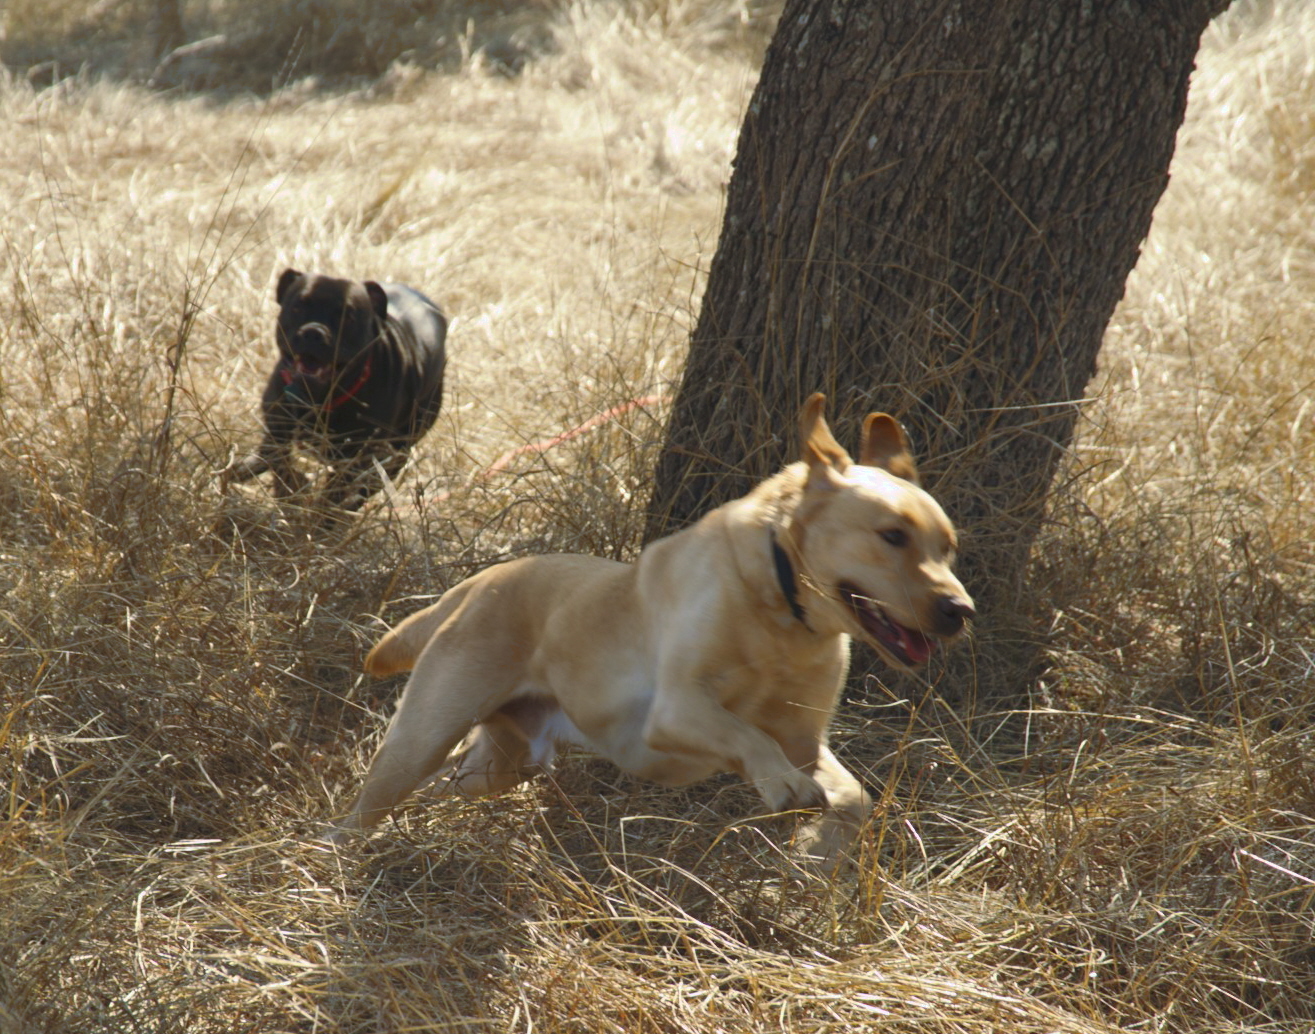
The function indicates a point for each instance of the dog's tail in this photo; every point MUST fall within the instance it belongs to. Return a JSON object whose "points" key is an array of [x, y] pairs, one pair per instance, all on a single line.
{"points": [[399, 648]]}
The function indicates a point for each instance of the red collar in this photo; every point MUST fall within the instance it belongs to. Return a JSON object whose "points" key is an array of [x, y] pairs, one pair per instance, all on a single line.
{"points": [[343, 397]]}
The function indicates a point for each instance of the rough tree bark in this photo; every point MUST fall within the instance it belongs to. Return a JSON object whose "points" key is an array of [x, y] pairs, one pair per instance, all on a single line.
{"points": [[934, 207]]}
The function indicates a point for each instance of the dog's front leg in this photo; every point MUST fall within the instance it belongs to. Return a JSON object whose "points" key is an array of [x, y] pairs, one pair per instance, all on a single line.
{"points": [[357, 476], [827, 840], [278, 457], [243, 470], [275, 450], [349, 485], [273, 455], [686, 719]]}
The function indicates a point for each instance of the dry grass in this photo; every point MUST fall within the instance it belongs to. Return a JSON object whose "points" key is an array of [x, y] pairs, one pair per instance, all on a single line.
{"points": [[180, 703]]}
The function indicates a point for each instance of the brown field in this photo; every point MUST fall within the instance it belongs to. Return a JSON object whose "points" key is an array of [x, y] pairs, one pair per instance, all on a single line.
{"points": [[1128, 844]]}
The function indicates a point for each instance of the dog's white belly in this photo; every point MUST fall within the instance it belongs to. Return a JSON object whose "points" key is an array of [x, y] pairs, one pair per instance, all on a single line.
{"points": [[556, 730], [620, 739], [626, 749]]}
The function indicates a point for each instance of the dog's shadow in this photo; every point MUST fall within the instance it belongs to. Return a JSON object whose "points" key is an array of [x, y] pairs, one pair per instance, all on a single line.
{"points": [[607, 856]]}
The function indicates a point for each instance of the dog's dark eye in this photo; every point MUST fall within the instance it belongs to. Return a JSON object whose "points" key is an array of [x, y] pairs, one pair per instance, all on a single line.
{"points": [[897, 537]]}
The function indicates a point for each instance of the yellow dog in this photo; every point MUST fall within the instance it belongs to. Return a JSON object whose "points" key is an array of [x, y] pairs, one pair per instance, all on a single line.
{"points": [[721, 649]]}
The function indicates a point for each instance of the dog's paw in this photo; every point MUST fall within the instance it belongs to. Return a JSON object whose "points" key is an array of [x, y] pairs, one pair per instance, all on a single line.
{"points": [[826, 844], [337, 836], [792, 791]]}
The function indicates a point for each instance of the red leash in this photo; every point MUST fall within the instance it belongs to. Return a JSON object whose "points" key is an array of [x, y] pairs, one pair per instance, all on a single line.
{"points": [[595, 421], [503, 461]]}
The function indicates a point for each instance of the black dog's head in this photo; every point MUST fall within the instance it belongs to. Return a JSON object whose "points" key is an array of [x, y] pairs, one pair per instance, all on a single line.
{"points": [[325, 328]]}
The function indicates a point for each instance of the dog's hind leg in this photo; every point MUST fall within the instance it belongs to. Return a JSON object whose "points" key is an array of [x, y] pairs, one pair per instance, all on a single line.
{"points": [[496, 756], [449, 692]]}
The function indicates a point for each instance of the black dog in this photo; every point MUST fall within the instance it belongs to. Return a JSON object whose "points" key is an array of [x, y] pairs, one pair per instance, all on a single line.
{"points": [[359, 380]]}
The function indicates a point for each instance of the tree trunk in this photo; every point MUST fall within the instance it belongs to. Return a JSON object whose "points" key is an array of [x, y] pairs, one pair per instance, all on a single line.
{"points": [[934, 207], [167, 27]]}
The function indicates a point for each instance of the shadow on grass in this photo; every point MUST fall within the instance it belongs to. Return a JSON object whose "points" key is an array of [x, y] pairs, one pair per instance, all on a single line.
{"points": [[261, 47]]}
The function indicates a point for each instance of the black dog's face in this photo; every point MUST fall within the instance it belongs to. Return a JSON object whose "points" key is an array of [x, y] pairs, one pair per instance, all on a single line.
{"points": [[324, 325]]}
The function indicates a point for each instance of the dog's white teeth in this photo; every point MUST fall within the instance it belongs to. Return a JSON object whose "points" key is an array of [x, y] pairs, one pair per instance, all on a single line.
{"points": [[309, 368], [878, 615]]}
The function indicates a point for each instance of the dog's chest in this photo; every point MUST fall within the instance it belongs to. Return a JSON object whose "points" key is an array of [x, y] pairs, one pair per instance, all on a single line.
{"points": [[774, 671]]}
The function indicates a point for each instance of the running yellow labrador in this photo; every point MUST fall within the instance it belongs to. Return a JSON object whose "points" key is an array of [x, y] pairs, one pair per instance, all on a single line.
{"points": [[721, 649]]}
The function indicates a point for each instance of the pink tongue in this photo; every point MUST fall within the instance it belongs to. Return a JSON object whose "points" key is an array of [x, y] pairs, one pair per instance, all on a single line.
{"points": [[915, 644]]}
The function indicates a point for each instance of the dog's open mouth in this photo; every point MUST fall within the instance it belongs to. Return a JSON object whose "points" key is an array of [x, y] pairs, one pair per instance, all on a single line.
{"points": [[906, 645], [310, 368]]}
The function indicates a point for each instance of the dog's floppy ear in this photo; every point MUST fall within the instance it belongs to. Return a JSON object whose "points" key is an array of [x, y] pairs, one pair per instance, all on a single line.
{"points": [[818, 446], [378, 299], [885, 445], [286, 280]]}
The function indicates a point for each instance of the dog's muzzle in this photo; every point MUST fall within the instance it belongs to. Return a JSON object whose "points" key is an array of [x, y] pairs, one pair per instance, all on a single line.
{"points": [[909, 646], [311, 353]]}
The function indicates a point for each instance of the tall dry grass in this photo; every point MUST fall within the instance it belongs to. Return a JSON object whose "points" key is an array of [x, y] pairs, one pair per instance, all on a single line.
{"points": [[180, 697]]}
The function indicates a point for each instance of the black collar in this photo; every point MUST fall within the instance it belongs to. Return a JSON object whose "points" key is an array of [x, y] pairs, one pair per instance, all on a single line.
{"points": [[789, 585]]}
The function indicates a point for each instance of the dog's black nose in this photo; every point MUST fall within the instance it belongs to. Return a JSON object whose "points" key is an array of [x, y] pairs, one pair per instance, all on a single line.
{"points": [[313, 335], [953, 611]]}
